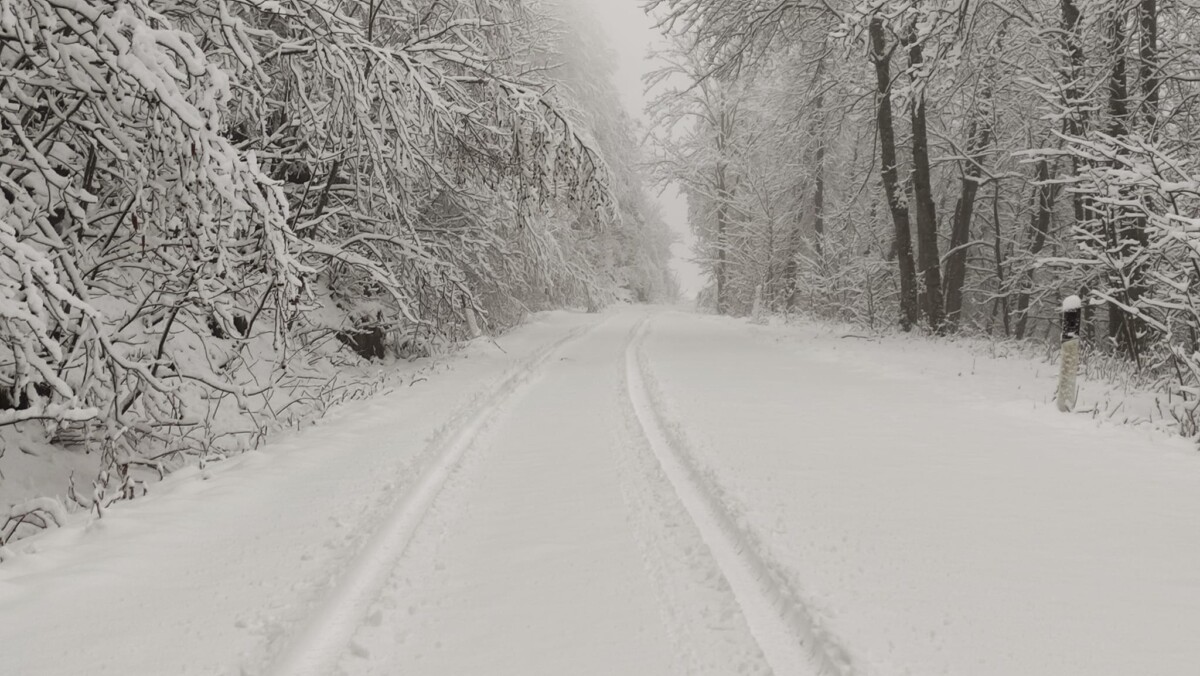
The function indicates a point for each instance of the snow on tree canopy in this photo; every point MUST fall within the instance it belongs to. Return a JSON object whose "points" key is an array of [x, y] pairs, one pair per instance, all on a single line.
{"points": [[208, 208]]}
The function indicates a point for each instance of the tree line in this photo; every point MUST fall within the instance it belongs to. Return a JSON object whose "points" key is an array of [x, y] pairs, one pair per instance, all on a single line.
{"points": [[949, 165]]}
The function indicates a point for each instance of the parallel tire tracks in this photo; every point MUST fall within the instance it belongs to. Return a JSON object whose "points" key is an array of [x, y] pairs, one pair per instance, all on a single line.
{"points": [[787, 633], [315, 648]]}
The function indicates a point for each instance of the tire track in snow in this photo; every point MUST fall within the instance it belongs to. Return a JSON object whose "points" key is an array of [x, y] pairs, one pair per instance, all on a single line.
{"points": [[315, 648], [699, 610], [787, 633]]}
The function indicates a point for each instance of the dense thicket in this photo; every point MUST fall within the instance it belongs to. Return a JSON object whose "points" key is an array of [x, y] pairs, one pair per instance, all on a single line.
{"points": [[203, 200], [944, 163]]}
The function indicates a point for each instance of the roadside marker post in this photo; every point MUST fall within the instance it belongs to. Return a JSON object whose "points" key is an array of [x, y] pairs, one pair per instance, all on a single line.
{"points": [[1068, 387]]}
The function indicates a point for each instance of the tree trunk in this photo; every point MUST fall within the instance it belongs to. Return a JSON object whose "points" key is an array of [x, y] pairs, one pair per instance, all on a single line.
{"points": [[791, 269], [819, 201], [880, 56], [928, 259], [956, 263], [1118, 80], [724, 199], [1077, 117], [816, 132], [1150, 77], [1124, 231], [998, 255], [769, 282], [1044, 195], [722, 229], [819, 168]]}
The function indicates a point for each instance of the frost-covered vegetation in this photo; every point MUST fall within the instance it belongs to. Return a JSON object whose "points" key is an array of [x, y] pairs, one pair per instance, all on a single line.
{"points": [[948, 165], [211, 209]]}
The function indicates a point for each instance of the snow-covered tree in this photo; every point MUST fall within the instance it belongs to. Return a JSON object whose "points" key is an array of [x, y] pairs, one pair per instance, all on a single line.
{"points": [[200, 200], [990, 158]]}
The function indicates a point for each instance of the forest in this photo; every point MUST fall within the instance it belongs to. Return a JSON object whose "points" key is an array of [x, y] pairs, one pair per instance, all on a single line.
{"points": [[215, 214], [214, 211], [949, 166]]}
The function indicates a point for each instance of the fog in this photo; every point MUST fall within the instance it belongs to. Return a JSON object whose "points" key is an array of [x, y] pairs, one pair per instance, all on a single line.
{"points": [[632, 36]]}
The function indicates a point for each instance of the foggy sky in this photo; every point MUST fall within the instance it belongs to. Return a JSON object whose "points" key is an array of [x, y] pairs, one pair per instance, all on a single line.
{"points": [[631, 34]]}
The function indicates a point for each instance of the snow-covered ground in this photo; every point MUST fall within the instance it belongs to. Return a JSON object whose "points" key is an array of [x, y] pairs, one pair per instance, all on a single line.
{"points": [[648, 492], [938, 521]]}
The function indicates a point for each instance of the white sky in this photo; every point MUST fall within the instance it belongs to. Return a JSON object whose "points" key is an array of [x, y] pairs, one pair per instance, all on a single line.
{"points": [[631, 34]]}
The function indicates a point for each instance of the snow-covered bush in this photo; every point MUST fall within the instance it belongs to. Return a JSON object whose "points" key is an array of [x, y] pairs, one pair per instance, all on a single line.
{"points": [[125, 213], [1141, 250]]}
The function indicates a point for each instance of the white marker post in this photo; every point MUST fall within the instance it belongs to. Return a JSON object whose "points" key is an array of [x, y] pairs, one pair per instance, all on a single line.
{"points": [[1068, 389]]}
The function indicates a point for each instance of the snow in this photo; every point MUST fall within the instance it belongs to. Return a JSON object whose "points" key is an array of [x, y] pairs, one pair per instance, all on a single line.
{"points": [[533, 568], [774, 617], [315, 649], [648, 491], [215, 568], [1071, 303], [942, 525]]}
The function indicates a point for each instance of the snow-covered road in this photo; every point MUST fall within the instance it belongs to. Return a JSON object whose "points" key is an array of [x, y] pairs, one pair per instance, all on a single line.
{"points": [[646, 492]]}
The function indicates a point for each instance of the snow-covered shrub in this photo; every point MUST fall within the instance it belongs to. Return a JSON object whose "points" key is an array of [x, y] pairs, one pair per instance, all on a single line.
{"points": [[1142, 249], [125, 217]]}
